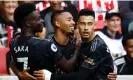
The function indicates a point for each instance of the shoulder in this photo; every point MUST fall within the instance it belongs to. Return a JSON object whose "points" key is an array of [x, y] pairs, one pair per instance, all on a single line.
{"points": [[99, 46], [39, 42], [98, 42], [47, 44]]}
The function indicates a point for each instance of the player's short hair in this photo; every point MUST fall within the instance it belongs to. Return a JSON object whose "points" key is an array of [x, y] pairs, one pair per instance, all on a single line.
{"points": [[86, 12], [22, 11], [126, 37], [55, 14]]}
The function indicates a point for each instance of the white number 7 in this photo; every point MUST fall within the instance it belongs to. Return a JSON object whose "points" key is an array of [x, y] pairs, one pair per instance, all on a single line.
{"points": [[24, 60]]}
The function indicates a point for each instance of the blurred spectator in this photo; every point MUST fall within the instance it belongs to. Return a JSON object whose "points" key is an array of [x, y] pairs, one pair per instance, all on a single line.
{"points": [[7, 25], [125, 26], [131, 23], [125, 63], [54, 6], [111, 35], [130, 27], [126, 9], [131, 5], [7, 30]]}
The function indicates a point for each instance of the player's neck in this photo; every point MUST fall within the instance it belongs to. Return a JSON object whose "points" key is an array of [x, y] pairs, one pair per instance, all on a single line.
{"points": [[27, 32], [62, 39]]}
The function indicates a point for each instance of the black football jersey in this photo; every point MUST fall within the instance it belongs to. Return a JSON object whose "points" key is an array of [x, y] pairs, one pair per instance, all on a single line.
{"points": [[34, 53], [66, 50]]}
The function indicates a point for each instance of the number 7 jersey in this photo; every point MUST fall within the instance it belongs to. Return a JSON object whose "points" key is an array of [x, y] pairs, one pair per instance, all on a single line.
{"points": [[34, 53]]}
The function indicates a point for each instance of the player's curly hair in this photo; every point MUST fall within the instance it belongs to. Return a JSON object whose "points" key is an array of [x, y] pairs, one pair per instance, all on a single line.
{"points": [[22, 11]]}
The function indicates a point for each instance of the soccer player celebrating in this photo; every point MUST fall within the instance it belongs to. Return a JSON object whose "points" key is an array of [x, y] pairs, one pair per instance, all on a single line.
{"points": [[96, 61]]}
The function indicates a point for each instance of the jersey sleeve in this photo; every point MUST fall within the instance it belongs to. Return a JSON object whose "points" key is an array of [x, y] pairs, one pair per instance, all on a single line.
{"points": [[50, 50], [55, 52], [105, 68], [100, 62], [105, 65]]}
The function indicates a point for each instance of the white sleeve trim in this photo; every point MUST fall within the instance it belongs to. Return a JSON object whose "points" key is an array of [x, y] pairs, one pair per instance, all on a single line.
{"points": [[47, 75]]}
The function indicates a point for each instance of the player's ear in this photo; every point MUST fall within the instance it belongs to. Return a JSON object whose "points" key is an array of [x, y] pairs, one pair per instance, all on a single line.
{"points": [[57, 23]]}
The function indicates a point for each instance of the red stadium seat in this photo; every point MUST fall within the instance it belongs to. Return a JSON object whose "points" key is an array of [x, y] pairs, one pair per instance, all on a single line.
{"points": [[99, 25], [3, 67]]}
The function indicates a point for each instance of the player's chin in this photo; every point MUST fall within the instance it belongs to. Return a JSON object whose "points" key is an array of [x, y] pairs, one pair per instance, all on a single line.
{"points": [[115, 29], [84, 37]]}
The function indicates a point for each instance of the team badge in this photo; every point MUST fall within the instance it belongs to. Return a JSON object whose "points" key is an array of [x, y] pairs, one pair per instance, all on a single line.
{"points": [[53, 47], [90, 61]]}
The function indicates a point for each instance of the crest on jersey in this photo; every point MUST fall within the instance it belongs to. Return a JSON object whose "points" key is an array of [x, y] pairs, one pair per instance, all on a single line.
{"points": [[90, 61], [53, 47]]}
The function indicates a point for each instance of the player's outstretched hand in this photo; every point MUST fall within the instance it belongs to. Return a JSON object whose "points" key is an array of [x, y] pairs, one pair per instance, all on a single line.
{"points": [[42, 74], [39, 74]]}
